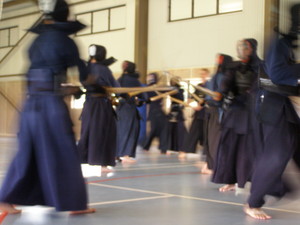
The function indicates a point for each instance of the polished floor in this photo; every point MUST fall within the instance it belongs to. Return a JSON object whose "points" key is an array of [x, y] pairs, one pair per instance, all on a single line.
{"points": [[157, 189]]}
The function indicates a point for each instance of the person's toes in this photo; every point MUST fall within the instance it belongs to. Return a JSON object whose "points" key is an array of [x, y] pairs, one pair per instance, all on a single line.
{"points": [[227, 187], [256, 213]]}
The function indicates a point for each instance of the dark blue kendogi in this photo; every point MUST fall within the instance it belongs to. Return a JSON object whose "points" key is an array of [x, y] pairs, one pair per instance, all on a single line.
{"points": [[195, 134], [46, 169], [177, 128], [97, 144], [128, 123], [236, 150], [280, 121], [214, 112], [159, 126]]}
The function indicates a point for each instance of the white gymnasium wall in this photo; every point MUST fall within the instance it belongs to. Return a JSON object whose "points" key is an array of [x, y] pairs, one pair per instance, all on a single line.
{"points": [[119, 43], [17, 61], [195, 42]]}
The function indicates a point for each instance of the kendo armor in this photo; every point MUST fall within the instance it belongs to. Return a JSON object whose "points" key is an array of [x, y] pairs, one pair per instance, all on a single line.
{"points": [[244, 81]]}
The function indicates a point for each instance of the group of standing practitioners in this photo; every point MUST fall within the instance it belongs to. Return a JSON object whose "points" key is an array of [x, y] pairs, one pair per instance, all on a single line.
{"points": [[244, 125], [259, 122], [107, 134]]}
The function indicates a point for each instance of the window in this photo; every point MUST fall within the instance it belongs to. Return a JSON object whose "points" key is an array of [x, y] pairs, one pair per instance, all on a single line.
{"points": [[85, 19], [8, 37], [100, 21], [117, 18], [103, 20], [189, 9], [230, 6], [180, 9], [204, 7]]}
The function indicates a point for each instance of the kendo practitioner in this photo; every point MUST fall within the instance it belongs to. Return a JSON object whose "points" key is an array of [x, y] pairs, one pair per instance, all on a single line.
{"points": [[128, 123], [236, 149], [46, 169], [158, 120], [280, 121], [213, 114], [195, 134], [177, 128], [97, 144]]}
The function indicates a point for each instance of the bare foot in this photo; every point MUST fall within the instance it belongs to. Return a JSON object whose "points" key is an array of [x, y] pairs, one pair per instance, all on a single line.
{"points": [[199, 165], [205, 170], [86, 211], [105, 169], [9, 208], [127, 159], [227, 187], [181, 155], [256, 213]]}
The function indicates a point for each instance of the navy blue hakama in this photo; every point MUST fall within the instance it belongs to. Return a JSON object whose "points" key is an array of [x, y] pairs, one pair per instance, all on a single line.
{"points": [[97, 144], [46, 169]]}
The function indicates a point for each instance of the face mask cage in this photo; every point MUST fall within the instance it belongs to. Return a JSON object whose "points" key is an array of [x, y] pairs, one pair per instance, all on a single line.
{"points": [[92, 50], [47, 6]]}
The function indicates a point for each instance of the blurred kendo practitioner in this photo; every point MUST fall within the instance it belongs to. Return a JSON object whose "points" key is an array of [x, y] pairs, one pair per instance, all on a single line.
{"points": [[158, 119], [128, 123], [97, 144], [46, 169], [176, 119], [280, 120], [213, 113], [195, 133], [237, 146]]}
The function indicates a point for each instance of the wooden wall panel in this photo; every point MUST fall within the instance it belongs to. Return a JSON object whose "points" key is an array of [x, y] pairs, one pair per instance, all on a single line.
{"points": [[11, 99], [3, 114]]}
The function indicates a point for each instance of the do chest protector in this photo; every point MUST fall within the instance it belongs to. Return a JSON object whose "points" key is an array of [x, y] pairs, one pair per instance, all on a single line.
{"points": [[244, 81]]}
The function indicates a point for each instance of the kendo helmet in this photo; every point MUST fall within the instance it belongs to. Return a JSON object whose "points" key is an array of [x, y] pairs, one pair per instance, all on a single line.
{"points": [[129, 67], [57, 10], [223, 61], [152, 78], [97, 52]]}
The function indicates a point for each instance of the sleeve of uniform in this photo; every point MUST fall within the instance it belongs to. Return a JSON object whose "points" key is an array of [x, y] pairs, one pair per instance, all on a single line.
{"points": [[143, 95], [279, 66], [226, 82], [113, 82], [73, 59], [105, 77]]}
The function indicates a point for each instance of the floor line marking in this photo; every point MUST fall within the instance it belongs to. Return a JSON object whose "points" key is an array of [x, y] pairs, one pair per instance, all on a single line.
{"points": [[154, 167], [3, 216], [233, 203], [132, 189], [130, 200], [194, 198], [142, 176]]}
